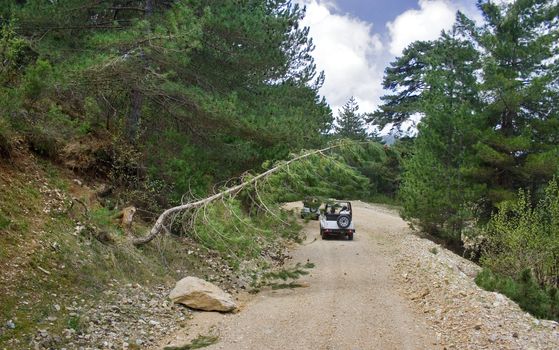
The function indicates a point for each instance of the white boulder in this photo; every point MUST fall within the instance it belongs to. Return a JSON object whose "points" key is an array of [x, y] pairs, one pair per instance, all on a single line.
{"points": [[201, 295]]}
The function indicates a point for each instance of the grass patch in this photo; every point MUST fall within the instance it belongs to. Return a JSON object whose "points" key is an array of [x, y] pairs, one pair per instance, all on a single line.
{"points": [[531, 297], [4, 222], [201, 342], [53, 175], [82, 265]]}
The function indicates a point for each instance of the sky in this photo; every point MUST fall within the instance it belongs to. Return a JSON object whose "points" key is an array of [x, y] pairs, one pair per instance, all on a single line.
{"points": [[356, 39]]}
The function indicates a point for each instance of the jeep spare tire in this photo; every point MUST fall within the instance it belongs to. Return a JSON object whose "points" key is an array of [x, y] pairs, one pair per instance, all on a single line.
{"points": [[343, 221]]}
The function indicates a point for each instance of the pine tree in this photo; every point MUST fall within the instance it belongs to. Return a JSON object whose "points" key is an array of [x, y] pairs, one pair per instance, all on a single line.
{"points": [[204, 90], [350, 123], [434, 189], [518, 146], [405, 79], [489, 98]]}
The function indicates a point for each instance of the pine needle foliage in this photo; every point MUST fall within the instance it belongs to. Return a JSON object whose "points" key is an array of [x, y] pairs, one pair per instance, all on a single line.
{"points": [[201, 341], [285, 275], [488, 100], [201, 91]]}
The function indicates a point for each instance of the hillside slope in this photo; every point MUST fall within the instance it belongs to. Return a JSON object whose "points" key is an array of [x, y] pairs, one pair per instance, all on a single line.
{"points": [[70, 276]]}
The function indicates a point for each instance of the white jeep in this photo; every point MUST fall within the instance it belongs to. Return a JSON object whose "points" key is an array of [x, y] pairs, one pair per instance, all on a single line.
{"points": [[337, 220]]}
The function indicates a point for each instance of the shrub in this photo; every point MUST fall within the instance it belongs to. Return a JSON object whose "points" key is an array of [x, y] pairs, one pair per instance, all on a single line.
{"points": [[523, 236], [6, 146], [42, 143], [15, 52], [524, 290], [36, 80]]}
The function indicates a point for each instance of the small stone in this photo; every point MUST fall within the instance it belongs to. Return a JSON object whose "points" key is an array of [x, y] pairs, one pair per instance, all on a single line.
{"points": [[10, 324], [57, 307]]}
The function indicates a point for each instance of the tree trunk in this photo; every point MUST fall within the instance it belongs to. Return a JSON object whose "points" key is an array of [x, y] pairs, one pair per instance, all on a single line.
{"points": [[149, 8], [137, 98], [133, 121]]}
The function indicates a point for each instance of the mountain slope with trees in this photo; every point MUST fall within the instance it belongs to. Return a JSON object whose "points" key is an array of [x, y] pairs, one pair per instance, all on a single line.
{"points": [[487, 151]]}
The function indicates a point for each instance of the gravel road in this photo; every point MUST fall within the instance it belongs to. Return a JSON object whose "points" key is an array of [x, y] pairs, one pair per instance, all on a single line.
{"points": [[351, 302], [386, 289]]}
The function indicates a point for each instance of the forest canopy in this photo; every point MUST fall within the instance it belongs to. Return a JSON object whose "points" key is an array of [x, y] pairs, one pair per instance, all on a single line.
{"points": [[184, 93]]}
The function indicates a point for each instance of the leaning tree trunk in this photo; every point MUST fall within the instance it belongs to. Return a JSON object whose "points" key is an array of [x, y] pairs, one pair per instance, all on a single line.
{"points": [[133, 121], [136, 98], [149, 8], [160, 223]]}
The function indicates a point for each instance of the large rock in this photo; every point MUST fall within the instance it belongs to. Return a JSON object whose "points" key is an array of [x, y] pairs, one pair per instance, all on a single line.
{"points": [[202, 295]]}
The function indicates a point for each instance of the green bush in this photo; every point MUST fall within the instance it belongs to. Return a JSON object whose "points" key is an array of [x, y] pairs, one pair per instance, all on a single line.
{"points": [[36, 80], [43, 143], [524, 236], [524, 290], [52, 130], [6, 135], [15, 52]]}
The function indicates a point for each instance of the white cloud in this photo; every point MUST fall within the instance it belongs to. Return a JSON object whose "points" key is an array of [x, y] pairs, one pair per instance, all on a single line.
{"points": [[354, 53], [349, 53], [426, 23]]}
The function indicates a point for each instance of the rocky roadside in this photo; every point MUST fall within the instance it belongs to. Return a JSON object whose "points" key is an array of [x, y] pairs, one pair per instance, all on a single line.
{"points": [[133, 316], [130, 317], [440, 285]]}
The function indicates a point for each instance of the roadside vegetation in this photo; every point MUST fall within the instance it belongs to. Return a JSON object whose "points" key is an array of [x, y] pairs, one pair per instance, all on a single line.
{"points": [[482, 167]]}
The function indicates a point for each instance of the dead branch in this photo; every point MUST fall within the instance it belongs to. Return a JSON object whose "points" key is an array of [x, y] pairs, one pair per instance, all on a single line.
{"points": [[230, 191]]}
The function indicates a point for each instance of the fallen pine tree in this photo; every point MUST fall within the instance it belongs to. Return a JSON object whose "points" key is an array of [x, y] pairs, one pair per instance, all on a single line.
{"points": [[298, 176]]}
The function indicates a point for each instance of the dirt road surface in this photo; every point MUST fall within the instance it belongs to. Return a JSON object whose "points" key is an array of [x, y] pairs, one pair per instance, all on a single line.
{"points": [[387, 289], [351, 302]]}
